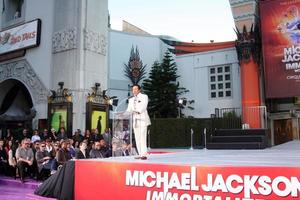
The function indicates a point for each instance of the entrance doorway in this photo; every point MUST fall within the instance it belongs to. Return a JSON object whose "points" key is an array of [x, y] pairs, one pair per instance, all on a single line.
{"points": [[16, 107], [283, 131]]}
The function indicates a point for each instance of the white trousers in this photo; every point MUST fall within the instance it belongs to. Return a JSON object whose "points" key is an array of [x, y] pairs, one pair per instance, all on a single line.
{"points": [[140, 134]]}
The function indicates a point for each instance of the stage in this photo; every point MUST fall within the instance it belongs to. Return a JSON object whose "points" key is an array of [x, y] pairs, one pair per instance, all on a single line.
{"points": [[287, 154], [272, 173]]}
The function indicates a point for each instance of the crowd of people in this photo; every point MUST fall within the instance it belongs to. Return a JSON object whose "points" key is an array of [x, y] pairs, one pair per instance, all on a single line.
{"points": [[41, 153]]}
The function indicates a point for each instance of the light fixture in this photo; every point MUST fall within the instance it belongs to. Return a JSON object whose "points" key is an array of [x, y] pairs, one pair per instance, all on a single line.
{"points": [[182, 101], [113, 101]]}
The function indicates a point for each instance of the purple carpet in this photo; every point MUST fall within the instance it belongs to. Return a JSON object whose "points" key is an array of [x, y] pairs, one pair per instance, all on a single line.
{"points": [[13, 189]]}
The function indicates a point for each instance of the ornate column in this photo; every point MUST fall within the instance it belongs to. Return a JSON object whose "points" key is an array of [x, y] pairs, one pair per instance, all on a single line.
{"points": [[248, 46]]}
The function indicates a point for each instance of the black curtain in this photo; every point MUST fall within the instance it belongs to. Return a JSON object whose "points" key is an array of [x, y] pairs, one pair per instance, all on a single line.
{"points": [[60, 185]]}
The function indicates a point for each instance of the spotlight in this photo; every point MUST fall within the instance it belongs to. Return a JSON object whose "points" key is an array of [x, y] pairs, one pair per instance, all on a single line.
{"points": [[113, 102], [182, 101]]}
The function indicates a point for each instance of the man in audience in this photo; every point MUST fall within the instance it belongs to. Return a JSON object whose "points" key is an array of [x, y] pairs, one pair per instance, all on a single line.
{"points": [[43, 158], [77, 136], [96, 152], [24, 156], [106, 152], [53, 134], [62, 135], [107, 136], [49, 146], [71, 148], [35, 136]]}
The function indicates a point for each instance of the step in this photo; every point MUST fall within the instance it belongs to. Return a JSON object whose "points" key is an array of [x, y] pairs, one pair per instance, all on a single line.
{"points": [[235, 145], [237, 138], [235, 132]]}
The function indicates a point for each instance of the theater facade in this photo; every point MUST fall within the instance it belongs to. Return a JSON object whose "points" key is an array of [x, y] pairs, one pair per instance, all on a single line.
{"points": [[56, 58], [52, 52]]}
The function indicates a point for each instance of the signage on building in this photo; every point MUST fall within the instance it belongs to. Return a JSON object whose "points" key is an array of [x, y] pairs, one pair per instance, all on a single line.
{"points": [[21, 37], [280, 23], [160, 182]]}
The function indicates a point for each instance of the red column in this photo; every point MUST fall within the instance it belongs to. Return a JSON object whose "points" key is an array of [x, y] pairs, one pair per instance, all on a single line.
{"points": [[250, 89]]}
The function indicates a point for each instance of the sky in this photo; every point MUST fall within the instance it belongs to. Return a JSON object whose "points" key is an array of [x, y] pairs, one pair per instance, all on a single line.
{"points": [[187, 20]]}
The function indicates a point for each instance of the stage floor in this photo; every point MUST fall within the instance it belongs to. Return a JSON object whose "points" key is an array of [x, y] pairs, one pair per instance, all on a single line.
{"points": [[287, 154]]}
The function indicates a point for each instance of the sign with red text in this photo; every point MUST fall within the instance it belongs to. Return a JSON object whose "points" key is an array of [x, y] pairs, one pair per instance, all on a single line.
{"points": [[20, 37], [280, 28], [138, 181]]}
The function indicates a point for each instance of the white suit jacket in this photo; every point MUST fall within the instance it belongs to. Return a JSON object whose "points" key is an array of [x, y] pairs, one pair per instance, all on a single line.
{"points": [[137, 105]]}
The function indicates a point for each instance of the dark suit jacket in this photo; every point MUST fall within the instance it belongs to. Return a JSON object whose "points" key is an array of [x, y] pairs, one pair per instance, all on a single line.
{"points": [[80, 155]]}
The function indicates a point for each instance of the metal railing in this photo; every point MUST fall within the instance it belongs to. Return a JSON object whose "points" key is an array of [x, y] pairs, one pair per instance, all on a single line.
{"points": [[236, 118]]}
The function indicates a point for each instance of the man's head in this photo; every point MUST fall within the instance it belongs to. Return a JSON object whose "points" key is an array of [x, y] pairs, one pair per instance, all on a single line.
{"points": [[102, 143], [83, 145], [36, 144], [97, 145], [136, 89], [42, 146], [48, 142], [25, 143], [1, 143], [35, 132]]}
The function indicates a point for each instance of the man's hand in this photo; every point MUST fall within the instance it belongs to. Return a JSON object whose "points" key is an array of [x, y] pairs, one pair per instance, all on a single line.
{"points": [[30, 162]]}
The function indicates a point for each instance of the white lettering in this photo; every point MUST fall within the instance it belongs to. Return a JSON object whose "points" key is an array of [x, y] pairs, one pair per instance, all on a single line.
{"points": [[132, 179], [237, 179], [250, 186]]}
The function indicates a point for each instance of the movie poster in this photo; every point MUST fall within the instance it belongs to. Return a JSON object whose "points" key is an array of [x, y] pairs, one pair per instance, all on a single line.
{"points": [[280, 25], [99, 121], [59, 119]]}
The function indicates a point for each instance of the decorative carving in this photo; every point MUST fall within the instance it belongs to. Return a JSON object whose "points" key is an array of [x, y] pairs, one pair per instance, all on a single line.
{"points": [[244, 16], [135, 70], [97, 96], [94, 42], [248, 43], [61, 95], [64, 40], [22, 71]]}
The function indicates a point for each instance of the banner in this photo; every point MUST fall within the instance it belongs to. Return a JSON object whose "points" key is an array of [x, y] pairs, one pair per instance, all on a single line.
{"points": [[138, 181], [21, 37], [280, 26]]}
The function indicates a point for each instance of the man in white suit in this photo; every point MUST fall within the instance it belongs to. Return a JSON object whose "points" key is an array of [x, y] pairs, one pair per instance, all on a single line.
{"points": [[138, 106]]}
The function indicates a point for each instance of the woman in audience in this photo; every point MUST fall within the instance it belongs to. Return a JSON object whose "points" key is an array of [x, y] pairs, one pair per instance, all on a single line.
{"points": [[8, 146], [82, 153], [12, 161]]}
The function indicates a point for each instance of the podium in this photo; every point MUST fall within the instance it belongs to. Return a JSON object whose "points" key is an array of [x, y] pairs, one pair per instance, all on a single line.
{"points": [[122, 134]]}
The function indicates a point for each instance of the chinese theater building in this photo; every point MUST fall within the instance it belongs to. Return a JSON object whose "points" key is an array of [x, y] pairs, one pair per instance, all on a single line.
{"points": [[268, 49], [58, 46]]}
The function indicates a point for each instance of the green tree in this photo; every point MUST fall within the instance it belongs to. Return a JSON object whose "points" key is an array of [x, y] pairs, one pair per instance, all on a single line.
{"points": [[163, 89]]}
